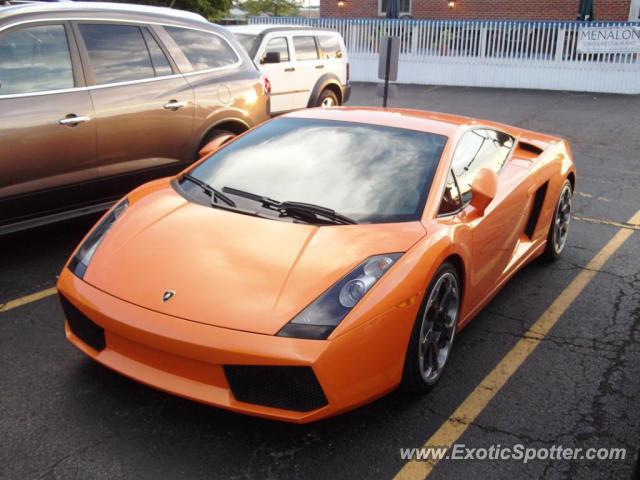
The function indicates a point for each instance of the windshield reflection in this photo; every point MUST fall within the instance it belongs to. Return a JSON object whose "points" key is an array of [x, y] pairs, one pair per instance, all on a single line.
{"points": [[370, 173]]}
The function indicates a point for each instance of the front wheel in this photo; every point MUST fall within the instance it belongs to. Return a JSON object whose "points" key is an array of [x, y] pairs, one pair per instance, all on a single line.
{"points": [[559, 228], [433, 332]]}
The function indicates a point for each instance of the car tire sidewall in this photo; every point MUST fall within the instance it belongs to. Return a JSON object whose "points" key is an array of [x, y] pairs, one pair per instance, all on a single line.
{"points": [[327, 94], [211, 136], [550, 252], [412, 380]]}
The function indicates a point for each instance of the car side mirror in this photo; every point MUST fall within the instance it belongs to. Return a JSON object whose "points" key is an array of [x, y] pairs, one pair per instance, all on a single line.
{"points": [[271, 57], [483, 189], [214, 144]]}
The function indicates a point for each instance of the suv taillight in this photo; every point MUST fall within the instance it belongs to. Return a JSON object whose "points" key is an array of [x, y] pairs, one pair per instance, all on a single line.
{"points": [[267, 85], [348, 71]]}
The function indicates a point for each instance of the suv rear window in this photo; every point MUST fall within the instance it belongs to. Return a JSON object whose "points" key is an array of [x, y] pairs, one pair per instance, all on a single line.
{"points": [[330, 47], [118, 53], [203, 50]]}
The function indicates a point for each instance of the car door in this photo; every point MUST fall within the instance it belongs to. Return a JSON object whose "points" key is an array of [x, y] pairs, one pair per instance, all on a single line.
{"points": [[282, 75], [144, 109], [308, 67], [47, 132], [332, 56], [224, 89], [496, 234]]}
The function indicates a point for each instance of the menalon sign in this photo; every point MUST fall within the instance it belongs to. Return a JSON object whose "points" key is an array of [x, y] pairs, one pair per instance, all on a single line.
{"points": [[609, 39]]}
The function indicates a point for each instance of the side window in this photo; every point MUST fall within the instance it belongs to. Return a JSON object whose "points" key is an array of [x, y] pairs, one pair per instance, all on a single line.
{"points": [[160, 63], [278, 45], [118, 53], [451, 201], [35, 59], [329, 47], [478, 149], [204, 50], [305, 48], [503, 143]]}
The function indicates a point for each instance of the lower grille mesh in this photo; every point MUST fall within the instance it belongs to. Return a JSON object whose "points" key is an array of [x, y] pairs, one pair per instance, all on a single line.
{"points": [[289, 388], [82, 327]]}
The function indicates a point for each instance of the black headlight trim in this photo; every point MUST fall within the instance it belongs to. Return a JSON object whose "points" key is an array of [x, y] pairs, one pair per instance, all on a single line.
{"points": [[76, 265], [326, 311]]}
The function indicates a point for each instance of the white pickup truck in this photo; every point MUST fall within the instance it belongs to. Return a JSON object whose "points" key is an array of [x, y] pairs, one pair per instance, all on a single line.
{"points": [[307, 67]]}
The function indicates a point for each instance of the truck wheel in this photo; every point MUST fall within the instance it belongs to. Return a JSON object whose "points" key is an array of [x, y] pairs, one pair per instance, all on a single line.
{"points": [[327, 99]]}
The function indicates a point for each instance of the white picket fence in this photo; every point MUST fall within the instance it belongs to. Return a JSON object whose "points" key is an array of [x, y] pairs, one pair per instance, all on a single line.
{"points": [[505, 54]]}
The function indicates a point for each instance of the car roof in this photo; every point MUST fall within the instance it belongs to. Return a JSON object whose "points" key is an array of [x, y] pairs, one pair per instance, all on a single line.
{"points": [[432, 122], [98, 7], [263, 29]]}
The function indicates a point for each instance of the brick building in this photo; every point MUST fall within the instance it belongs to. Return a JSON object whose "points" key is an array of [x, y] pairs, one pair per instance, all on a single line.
{"points": [[606, 10]]}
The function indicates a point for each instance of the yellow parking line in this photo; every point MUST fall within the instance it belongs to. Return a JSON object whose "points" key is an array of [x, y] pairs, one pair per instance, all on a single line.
{"points": [[611, 223], [18, 302], [466, 413]]}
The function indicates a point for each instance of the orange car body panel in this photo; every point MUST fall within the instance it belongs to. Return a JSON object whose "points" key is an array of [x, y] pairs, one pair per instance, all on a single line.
{"points": [[273, 270]]}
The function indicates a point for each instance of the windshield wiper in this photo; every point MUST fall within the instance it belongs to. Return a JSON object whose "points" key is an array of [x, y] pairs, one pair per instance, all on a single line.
{"points": [[297, 209], [265, 201], [209, 190]]}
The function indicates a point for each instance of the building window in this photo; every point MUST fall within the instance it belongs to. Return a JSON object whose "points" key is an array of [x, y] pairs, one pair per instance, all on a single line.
{"points": [[405, 7]]}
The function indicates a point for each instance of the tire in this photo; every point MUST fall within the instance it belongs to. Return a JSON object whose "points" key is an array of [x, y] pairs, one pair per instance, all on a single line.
{"points": [[435, 327], [327, 99], [559, 227], [204, 148]]}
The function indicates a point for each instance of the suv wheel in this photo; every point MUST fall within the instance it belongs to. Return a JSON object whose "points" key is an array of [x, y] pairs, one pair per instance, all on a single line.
{"points": [[327, 99], [213, 141]]}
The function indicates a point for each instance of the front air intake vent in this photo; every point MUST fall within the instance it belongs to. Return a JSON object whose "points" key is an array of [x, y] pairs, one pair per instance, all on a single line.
{"points": [[288, 388], [83, 328]]}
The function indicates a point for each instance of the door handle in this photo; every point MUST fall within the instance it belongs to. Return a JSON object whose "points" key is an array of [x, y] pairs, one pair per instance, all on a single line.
{"points": [[319, 66], [174, 105], [290, 69], [73, 119]]}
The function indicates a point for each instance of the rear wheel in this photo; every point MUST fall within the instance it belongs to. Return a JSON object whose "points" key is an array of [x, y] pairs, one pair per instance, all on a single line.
{"points": [[327, 99], [559, 228], [213, 141], [433, 332]]}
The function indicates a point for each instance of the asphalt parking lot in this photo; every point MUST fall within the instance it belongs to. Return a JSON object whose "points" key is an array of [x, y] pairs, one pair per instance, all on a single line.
{"points": [[62, 416]]}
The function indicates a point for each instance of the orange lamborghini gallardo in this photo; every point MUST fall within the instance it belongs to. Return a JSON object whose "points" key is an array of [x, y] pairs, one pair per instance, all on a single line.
{"points": [[318, 261]]}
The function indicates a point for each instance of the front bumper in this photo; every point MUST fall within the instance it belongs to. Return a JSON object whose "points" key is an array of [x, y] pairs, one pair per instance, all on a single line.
{"points": [[346, 93], [189, 359]]}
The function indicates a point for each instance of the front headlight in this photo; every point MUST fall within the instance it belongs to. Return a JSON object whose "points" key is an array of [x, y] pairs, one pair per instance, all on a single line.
{"points": [[80, 261], [319, 319]]}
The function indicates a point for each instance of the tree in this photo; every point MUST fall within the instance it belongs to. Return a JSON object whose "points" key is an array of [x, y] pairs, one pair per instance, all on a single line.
{"points": [[282, 8], [211, 9]]}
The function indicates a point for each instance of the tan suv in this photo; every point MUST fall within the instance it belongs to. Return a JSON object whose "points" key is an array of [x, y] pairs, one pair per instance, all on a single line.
{"points": [[96, 98]]}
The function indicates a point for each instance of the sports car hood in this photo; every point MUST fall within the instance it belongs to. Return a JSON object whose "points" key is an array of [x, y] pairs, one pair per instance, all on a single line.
{"points": [[227, 269]]}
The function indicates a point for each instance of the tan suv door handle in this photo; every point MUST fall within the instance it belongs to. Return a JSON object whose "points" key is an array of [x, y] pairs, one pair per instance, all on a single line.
{"points": [[73, 120], [290, 69], [175, 105], [319, 66]]}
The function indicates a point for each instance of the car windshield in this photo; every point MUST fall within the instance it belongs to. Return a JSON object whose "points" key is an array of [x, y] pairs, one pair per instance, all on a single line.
{"points": [[249, 42], [369, 173]]}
